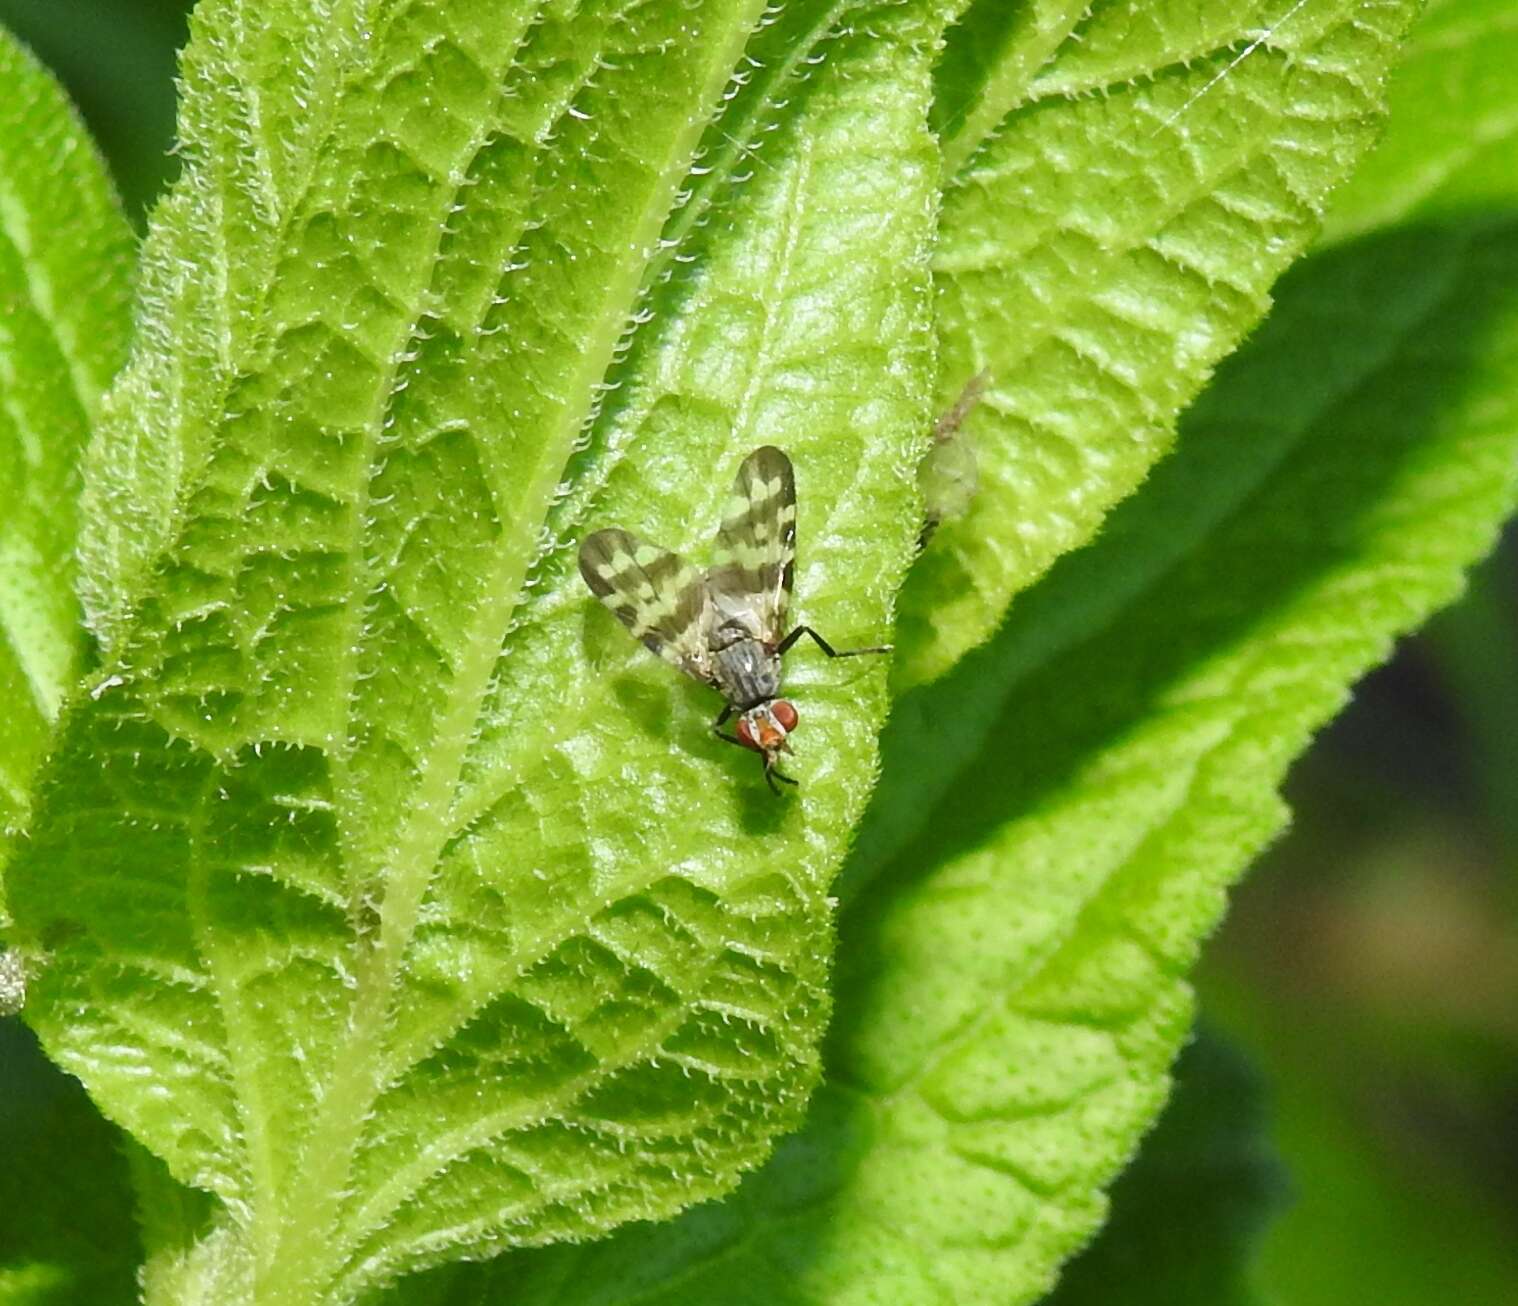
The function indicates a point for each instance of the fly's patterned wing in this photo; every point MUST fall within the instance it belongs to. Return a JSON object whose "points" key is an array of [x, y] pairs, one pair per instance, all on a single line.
{"points": [[750, 583], [656, 594]]}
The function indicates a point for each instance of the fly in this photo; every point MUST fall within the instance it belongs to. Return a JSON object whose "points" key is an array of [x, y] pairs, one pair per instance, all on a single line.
{"points": [[724, 626]]}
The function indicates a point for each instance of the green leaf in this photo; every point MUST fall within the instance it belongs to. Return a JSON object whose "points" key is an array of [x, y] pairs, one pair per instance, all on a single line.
{"points": [[65, 279], [1012, 992], [1449, 164], [395, 898], [1452, 150], [391, 893], [1187, 1214], [66, 1235], [1126, 184]]}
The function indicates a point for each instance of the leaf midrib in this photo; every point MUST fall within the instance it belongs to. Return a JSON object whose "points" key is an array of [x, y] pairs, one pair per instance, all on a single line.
{"points": [[736, 132], [309, 1258], [270, 1232]]}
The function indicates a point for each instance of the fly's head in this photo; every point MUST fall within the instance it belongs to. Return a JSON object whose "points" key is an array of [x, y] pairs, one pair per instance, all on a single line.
{"points": [[766, 729]]}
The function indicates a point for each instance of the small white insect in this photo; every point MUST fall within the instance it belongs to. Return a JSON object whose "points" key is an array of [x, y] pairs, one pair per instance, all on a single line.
{"points": [[949, 473], [724, 626]]}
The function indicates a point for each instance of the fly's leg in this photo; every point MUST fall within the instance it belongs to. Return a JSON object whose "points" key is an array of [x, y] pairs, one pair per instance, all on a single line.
{"points": [[789, 641], [771, 775], [722, 720]]}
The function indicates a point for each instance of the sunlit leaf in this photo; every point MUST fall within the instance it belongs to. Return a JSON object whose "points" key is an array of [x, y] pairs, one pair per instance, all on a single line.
{"points": [[65, 280], [1127, 183], [1012, 991], [421, 897], [396, 898]]}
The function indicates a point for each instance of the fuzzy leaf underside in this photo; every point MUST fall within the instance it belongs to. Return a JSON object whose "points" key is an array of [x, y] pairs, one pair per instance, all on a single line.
{"points": [[65, 284], [418, 892], [1128, 183], [1012, 993]]}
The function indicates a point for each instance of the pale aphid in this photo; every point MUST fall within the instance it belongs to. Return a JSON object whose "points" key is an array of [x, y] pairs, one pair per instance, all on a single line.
{"points": [[724, 626], [949, 473]]}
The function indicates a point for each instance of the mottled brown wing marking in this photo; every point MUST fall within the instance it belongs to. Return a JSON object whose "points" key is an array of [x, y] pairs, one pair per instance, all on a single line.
{"points": [[656, 594], [750, 582]]}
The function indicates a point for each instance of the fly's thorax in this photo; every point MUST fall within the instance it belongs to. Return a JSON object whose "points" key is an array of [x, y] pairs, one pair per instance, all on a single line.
{"points": [[766, 727], [747, 671]]}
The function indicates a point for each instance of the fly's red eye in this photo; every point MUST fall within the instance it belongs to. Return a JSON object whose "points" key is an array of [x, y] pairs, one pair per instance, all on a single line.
{"points": [[745, 735], [785, 713]]}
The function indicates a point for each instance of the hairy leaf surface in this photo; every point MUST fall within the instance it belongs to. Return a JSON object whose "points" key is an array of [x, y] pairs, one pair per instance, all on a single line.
{"points": [[65, 282], [1013, 991], [420, 895], [399, 899], [1126, 183]]}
